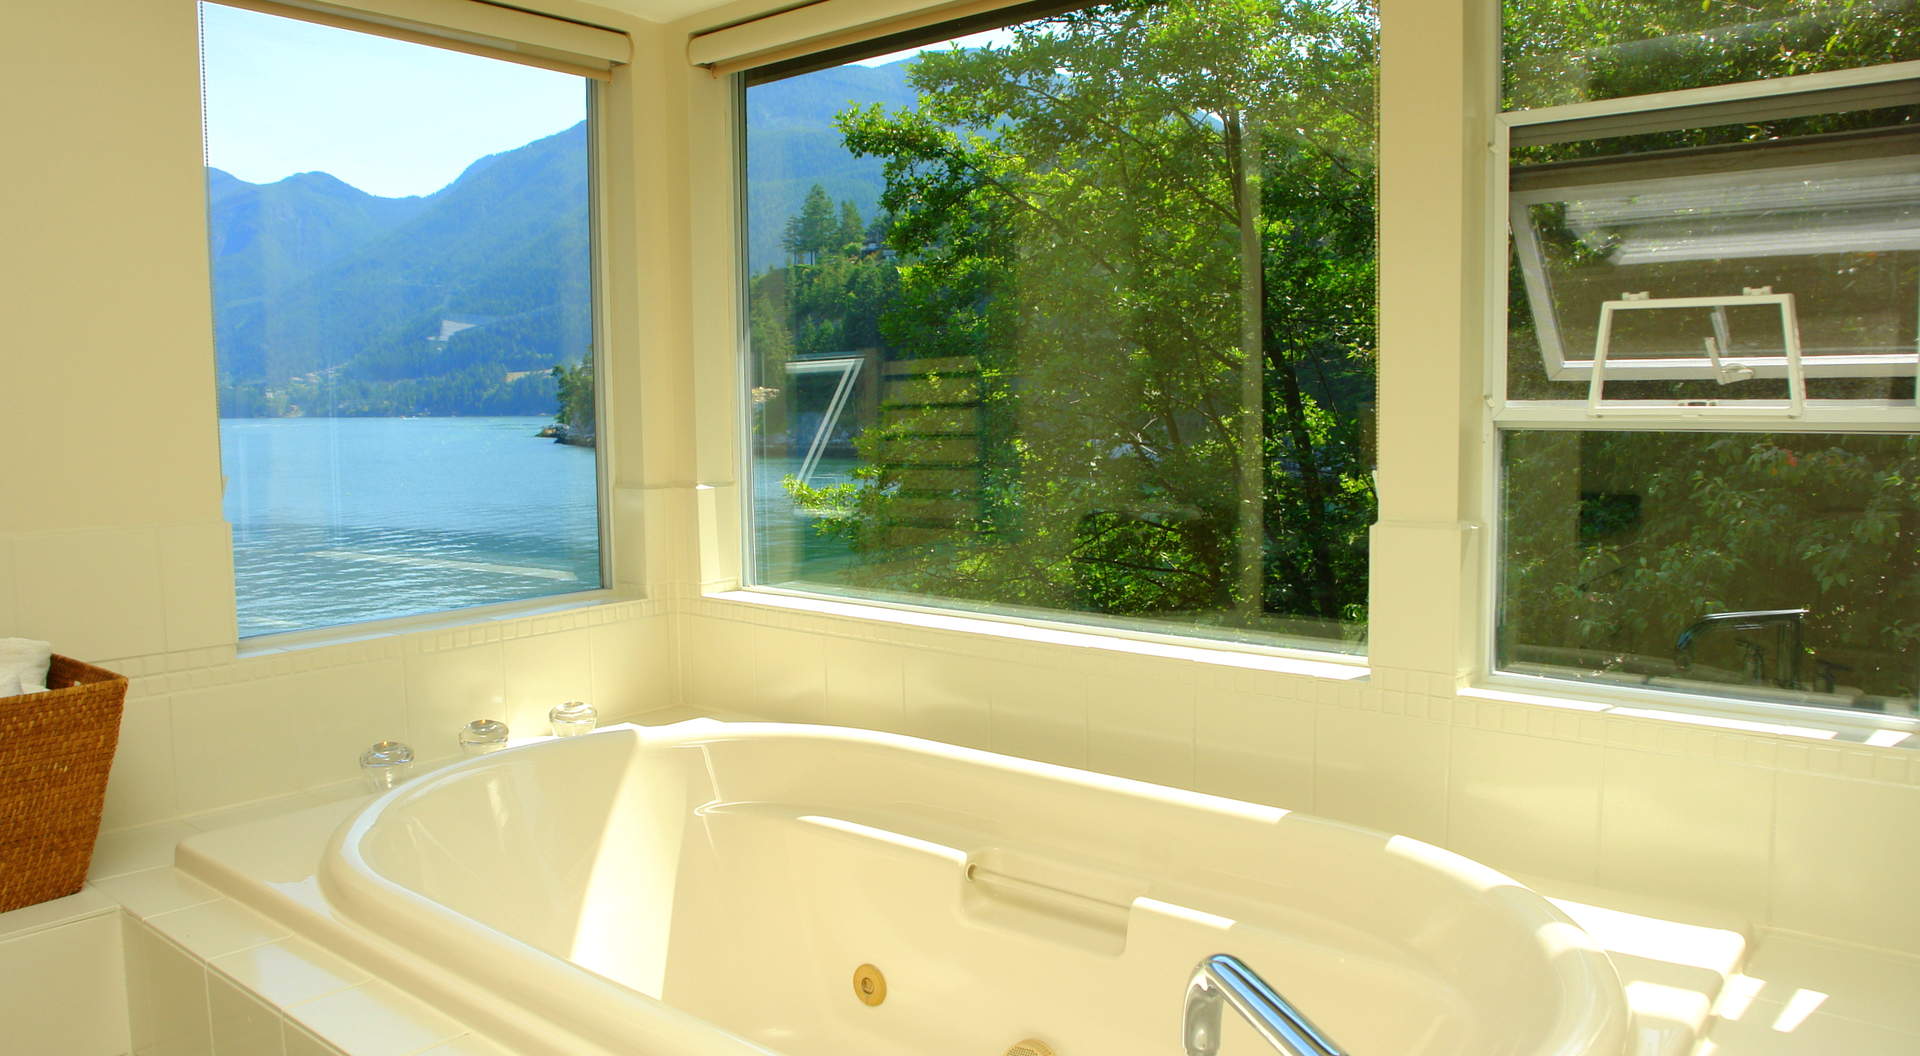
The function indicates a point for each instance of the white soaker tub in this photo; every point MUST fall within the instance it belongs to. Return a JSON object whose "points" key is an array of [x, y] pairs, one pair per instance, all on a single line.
{"points": [[711, 888]]}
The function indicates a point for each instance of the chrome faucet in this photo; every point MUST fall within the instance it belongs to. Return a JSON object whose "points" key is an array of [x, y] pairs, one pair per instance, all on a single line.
{"points": [[1224, 979]]}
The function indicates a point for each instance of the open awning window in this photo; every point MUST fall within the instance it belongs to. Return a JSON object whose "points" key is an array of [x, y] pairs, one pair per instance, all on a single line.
{"points": [[1717, 235]]}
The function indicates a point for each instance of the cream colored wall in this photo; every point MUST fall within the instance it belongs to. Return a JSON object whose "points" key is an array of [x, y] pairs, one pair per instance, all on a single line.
{"points": [[112, 544], [1791, 830]]}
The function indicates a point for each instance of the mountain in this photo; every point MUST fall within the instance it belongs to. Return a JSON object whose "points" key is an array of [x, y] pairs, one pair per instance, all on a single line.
{"points": [[329, 300], [265, 236], [313, 277], [793, 145]]}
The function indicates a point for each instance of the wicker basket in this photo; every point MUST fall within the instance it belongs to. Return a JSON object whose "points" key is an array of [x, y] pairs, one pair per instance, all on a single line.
{"points": [[55, 750]]}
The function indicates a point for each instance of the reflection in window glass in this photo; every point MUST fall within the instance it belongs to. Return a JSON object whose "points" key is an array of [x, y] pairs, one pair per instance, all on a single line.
{"points": [[403, 305], [1075, 317], [1825, 208], [1558, 52], [1781, 567]]}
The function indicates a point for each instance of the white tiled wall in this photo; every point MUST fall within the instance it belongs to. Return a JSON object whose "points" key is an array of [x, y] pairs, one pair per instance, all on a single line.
{"points": [[271, 995], [205, 976], [61, 989], [198, 738], [1801, 834]]}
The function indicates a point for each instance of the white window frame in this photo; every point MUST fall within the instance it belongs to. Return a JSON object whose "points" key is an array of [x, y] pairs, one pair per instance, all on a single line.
{"points": [[1579, 415]]}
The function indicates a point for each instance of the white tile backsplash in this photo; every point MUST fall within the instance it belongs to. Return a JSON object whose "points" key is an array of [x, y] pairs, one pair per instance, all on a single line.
{"points": [[233, 743], [46, 974], [1382, 771], [141, 788], [787, 676], [1143, 729], [338, 712], [1035, 712], [1525, 804], [448, 688], [1845, 855], [866, 684], [543, 670], [1689, 828], [946, 699], [1256, 748]]}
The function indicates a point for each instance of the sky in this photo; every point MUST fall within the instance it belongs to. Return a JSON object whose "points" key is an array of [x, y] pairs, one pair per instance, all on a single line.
{"points": [[391, 118], [997, 37]]}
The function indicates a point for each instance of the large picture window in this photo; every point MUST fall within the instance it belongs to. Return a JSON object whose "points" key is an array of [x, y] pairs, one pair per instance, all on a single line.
{"points": [[1709, 455], [403, 307], [1074, 318]]}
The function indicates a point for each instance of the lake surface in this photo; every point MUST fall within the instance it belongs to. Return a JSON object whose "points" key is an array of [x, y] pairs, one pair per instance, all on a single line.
{"points": [[342, 520]]}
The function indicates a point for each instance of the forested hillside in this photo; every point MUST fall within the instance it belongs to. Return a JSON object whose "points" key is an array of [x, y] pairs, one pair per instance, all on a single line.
{"points": [[794, 146], [328, 300]]}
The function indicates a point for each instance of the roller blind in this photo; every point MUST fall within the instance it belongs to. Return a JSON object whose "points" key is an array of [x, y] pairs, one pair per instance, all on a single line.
{"points": [[473, 26], [830, 25]]}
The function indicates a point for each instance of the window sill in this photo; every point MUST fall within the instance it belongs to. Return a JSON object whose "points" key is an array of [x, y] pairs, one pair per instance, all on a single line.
{"points": [[1877, 730], [426, 623], [1040, 632]]}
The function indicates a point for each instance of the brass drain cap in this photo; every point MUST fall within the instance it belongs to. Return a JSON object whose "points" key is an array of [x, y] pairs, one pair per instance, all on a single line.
{"points": [[869, 985], [1031, 1047]]}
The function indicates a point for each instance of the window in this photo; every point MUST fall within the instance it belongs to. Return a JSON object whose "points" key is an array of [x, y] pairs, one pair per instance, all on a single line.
{"points": [[1073, 319], [1709, 446], [403, 304]]}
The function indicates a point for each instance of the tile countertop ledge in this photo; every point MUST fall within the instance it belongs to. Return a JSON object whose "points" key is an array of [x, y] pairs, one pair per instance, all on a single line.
{"points": [[1688, 970]]}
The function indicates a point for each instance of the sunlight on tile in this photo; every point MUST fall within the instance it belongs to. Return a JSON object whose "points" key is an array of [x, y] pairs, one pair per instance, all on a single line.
{"points": [[1728, 723], [1737, 997], [1799, 1007], [1661, 940]]}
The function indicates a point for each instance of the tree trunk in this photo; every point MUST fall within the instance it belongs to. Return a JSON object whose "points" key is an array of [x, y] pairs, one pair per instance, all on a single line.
{"points": [[1243, 152]]}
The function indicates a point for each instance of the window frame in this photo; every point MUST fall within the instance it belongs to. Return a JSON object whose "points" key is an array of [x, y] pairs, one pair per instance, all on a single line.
{"points": [[1503, 415], [596, 89]]}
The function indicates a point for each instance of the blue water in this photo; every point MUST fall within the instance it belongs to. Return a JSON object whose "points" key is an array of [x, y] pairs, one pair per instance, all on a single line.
{"points": [[342, 520]]}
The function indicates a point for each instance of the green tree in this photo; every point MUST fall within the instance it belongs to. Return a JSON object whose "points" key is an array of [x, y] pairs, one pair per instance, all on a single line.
{"points": [[813, 230], [577, 411]]}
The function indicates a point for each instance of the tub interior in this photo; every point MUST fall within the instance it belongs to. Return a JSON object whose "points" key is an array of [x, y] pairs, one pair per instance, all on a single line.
{"points": [[744, 877]]}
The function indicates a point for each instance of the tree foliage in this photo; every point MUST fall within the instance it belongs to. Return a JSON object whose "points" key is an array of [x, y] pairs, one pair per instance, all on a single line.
{"points": [[1066, 217]]}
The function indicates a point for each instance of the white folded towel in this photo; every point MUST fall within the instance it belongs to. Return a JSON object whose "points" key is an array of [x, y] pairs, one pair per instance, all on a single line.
{"points": [[23, 665]]}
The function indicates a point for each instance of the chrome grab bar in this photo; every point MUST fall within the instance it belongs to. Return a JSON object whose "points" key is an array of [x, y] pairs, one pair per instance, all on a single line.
{"points": [[1224, 979]]}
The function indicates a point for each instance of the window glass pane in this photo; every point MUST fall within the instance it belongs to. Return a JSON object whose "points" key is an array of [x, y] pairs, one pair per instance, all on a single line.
{"points": [[1075, 317], [1824, 207], [402, 303], [1772, 566], [1558, 52]]}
